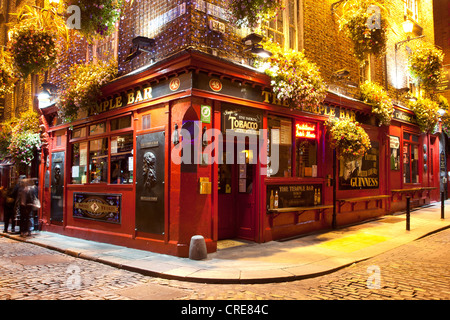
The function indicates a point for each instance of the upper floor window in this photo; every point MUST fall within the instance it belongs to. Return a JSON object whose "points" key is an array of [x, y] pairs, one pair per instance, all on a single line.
{"points": [[411, 9], [283, 29], [103, 49]]}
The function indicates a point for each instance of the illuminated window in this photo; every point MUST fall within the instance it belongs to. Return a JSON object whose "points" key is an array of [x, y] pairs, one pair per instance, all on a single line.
{"points": [[283, 28], [306, 149], [411, 9], [122, 159], [280, 133], [410, 158]]}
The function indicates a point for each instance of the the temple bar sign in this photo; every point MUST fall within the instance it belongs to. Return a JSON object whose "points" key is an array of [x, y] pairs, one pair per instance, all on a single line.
{"points": [[143, 94]]}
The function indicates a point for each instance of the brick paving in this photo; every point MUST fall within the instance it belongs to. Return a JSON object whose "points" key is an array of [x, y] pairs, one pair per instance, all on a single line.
{"points": [[419, 270]]}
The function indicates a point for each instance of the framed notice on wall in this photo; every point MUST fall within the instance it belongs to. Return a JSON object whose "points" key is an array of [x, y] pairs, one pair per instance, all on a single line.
{"points": [[395, 152]]}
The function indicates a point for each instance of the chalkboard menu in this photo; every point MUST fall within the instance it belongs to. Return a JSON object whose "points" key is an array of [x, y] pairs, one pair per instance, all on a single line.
{"points": [[304, 195]]}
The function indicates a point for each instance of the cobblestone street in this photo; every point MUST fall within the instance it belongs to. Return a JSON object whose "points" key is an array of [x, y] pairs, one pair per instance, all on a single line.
{"points": [[419, 270]]}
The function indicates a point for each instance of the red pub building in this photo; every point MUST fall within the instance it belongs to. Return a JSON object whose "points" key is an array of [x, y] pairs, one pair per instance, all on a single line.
{"points": [[112, 176]]}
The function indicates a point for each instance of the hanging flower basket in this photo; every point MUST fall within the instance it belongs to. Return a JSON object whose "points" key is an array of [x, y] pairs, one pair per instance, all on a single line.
{"points": [[295, 80], [348, 138], [84, 84], [427, 113], [354, 23], [248, 13], [25, 138], [98, 18], [32, 50], [425, 65], [373, 94]]}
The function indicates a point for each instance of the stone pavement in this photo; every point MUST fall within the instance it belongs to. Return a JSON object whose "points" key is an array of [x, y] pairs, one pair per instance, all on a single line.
{"points": [[275, 261]]}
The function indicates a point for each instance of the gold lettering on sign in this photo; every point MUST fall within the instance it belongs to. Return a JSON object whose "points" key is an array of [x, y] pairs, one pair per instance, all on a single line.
{"points": [[130, 98]]}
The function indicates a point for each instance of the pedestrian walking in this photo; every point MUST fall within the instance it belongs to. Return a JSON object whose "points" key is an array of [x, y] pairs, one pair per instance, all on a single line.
{"points": [[16, 203], [8, 209], [29, 202]]}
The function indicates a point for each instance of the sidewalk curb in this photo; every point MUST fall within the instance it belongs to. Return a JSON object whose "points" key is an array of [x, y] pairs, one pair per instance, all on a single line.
{"points": [[215, 271]]}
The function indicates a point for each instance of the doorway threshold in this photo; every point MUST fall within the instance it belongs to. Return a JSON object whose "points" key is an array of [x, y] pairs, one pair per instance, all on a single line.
{"points": [[231, 243]]}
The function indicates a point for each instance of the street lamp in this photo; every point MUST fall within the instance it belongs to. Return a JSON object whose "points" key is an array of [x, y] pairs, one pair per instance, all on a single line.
{"points": [[140, 44], [408, 27], [46, 96], [252, 41]]}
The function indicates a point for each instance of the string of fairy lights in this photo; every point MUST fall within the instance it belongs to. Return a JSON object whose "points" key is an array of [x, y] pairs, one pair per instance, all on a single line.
{"points": [[175, 25]]}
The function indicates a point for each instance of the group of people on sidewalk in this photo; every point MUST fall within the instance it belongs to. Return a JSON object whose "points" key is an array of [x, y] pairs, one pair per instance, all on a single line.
{"points": [[21, 203]]}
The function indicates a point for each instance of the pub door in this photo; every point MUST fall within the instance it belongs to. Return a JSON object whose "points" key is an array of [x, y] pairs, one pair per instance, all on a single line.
{"points": [[150, 171], [237, 199], [57, 187]]}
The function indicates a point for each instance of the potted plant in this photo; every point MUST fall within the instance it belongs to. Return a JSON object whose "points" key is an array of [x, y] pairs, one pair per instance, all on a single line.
{"points": [[367, 39], [83, 87], [425, 65], [348, 138], [248, 13], [295, 80], [382, 106]]}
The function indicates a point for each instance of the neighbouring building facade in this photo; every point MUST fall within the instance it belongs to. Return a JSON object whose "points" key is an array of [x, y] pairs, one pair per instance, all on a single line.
{"points": [[113, 175]]}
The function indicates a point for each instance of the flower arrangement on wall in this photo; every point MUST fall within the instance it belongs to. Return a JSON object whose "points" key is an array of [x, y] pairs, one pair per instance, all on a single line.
{"points": [[295, 79], [84, 83], [7, 78], [354, 23], [248, 13], [427, 113], [373, 94], [444, 105], [349, 139], [425, 65], [98, 18], [24, 139]]}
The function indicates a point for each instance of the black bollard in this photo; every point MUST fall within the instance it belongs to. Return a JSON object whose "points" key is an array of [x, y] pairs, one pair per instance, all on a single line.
{"points": [[408, 211], [442, 205]]}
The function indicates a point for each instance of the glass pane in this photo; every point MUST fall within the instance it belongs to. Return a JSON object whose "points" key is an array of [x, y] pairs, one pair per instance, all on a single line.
{"points": [[97, 128], [306, 154], [122, 159], [415, 165], [79, 133], [415, 138], [79, 163], [121, 123], [225, 178], [406, 164], [406, 136], [98, 160], [280, 133]]}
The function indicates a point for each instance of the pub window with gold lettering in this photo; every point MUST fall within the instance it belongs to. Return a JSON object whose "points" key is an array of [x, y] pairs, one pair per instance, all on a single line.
{"points": [[100, 156]]}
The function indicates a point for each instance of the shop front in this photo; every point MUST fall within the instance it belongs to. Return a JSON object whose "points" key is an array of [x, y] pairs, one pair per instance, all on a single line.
{"points": [[198, 146]]}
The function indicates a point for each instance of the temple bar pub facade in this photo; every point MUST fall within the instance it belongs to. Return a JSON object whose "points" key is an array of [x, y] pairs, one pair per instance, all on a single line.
{"points": [[111, 176]]}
